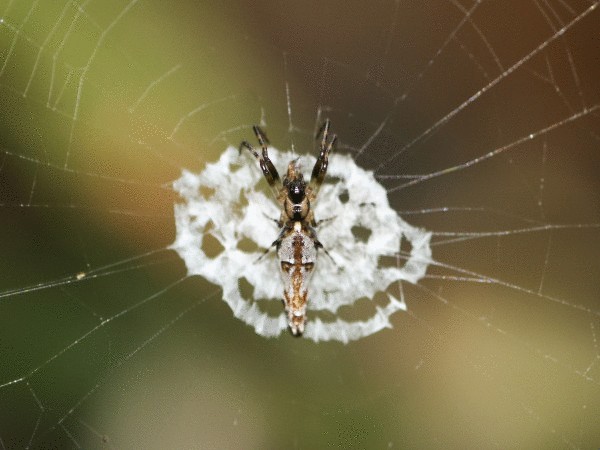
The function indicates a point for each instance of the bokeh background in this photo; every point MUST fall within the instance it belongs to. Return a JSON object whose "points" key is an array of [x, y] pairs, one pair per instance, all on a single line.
{"points": [[104, 341]]}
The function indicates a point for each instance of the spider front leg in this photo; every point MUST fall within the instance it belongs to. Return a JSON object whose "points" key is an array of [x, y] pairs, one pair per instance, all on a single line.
{"points": [[320, 168], [267, 167]]}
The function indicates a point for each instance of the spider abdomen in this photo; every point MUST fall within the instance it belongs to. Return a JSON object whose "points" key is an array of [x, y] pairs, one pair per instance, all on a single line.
{"points": [[297, 254]]}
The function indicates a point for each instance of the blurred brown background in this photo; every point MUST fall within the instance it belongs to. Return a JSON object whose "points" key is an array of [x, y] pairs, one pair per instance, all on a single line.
{"points": [[104, 103]]}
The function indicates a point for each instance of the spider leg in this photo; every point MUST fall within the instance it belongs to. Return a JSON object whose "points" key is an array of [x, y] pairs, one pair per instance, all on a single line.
{"points": [[263, 141], [313, 235], [318, 223], [264, 253], [320, 168], [267, 167], [330, 257], [278, 222], [323, 132], [275, 244]]}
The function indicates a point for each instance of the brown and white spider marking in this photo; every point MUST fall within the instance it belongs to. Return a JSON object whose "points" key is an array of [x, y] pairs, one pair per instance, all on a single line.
{"points": [[297, 243]]}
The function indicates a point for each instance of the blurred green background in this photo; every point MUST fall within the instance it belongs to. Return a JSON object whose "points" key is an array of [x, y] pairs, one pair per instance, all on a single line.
{"points": [[102, 105]]}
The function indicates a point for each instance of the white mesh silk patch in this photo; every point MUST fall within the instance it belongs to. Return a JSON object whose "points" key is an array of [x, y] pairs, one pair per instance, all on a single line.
{"points": [[230, 201]]}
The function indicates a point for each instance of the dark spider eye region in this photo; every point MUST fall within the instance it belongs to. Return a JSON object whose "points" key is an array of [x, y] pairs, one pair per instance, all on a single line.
{"points": [[296, 191]]}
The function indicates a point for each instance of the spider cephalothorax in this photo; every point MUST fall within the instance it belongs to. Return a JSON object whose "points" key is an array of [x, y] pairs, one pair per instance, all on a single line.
{"points": [[296, 204], [297, 243]]}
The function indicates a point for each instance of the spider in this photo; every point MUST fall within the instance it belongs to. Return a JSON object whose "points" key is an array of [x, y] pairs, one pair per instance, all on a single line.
{"points": [[297, 243]]}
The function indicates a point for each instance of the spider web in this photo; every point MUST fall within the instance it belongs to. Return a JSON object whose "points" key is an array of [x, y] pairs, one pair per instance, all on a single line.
{"points": [[482, 121]]}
